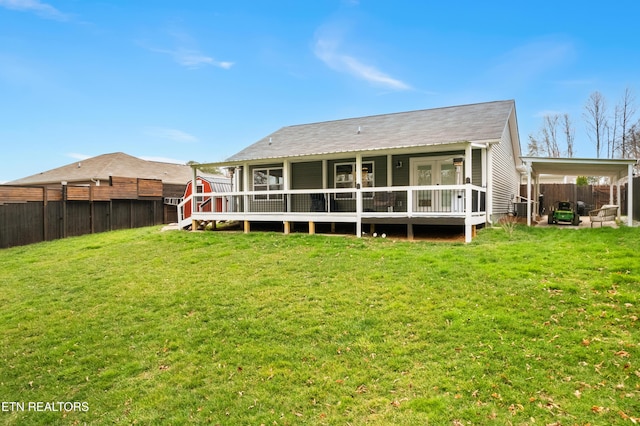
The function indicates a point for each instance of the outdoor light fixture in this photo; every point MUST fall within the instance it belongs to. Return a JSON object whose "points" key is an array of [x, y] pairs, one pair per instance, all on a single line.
{"points": [[398, 164], [458, 161]]}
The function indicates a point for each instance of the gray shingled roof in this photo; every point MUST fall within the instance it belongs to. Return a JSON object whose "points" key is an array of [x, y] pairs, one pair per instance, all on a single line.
{"points": [[115, 164], [476, 122]]}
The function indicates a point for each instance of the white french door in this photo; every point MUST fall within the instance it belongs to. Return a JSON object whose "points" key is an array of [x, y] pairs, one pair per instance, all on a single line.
{"points": [[431, 172]]}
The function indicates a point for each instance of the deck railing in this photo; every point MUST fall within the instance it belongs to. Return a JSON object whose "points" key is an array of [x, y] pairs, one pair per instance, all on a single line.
{"points": [[396, 201]]}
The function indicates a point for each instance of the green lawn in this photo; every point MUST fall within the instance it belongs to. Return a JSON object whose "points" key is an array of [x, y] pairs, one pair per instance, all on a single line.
{"points": [[138, 326]]}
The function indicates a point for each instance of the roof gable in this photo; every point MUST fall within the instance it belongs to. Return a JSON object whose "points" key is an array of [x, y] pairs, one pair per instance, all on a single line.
{"points": [[476, 122]]}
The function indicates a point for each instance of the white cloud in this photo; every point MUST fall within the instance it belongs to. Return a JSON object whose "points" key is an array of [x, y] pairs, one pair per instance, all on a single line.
{"points": [[41, 9], [192, 59], [185, 51], [174, 135], [328, 48]]}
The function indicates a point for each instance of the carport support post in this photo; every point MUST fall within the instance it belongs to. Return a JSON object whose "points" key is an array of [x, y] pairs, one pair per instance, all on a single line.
{"points": [[619, 198]]}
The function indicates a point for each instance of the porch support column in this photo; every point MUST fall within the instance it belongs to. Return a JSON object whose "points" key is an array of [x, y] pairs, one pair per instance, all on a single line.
{"points": [[325, 175], [611, 178], [194, 191], [538, 196], [286, 176], [389, 170], [528, 165], [358, 172], [486, 172], [468, 204], [245, 186], [630, 195]]}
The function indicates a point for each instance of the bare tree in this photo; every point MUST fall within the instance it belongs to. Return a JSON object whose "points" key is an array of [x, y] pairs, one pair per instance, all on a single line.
{"points": [[534, 148], [569, 134], [596, 118], [611, 132], [626, 110], [546, 143], [633, 140]]}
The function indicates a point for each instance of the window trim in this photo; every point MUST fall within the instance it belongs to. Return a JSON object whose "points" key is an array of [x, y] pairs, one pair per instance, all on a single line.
{"points": [[267, 187]]}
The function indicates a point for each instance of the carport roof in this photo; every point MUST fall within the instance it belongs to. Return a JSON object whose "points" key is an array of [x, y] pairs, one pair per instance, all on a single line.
{"points": [[618, 168]]}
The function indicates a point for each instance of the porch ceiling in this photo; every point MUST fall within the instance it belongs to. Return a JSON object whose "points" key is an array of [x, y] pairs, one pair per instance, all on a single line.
{"points": [[579, 166]]}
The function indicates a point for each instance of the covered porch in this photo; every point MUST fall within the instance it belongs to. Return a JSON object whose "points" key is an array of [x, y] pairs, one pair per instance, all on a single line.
{"points": [[400, 187]]}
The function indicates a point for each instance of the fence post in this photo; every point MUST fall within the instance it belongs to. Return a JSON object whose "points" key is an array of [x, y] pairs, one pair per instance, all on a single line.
{"points": [[91, 211], [64, 209], [45, 221]]}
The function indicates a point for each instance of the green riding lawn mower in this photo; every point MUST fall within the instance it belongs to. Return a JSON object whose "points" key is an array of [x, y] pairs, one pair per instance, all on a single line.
{"points": [[564, 212]]}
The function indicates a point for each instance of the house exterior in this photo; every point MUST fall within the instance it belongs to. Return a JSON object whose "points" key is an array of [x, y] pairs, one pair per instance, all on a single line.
{"points": [[446, 166]]}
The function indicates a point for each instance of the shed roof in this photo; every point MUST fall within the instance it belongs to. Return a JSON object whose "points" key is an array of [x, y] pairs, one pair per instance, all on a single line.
{"points": [[469, 123], [104, 166]]}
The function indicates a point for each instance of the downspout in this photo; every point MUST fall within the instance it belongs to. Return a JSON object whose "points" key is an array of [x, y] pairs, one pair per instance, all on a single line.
{"points": [[630, 195]]}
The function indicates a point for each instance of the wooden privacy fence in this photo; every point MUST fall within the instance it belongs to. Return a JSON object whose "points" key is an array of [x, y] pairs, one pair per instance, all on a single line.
{"points": [[594, 196], [33, 214]]}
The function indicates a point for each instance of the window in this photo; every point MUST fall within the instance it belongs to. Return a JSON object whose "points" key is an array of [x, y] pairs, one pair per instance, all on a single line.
{"points": [[346, 178], [267, 180]]}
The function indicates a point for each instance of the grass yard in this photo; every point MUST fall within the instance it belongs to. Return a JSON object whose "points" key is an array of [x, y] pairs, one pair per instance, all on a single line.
{"points": [[143, 327]]}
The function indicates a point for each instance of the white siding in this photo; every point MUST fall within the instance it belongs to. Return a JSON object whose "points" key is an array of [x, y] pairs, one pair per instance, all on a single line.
{"points": [[505, 176]]}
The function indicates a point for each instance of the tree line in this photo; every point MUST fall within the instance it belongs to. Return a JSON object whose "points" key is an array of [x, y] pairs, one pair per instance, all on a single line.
{"points": [[613, 131]]}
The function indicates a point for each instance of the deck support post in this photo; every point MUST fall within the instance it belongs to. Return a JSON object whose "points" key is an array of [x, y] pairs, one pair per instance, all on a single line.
{"points": [[287, 227], [410, 231], [194, 225], [312, 228], [372, 228], [247, 226]]}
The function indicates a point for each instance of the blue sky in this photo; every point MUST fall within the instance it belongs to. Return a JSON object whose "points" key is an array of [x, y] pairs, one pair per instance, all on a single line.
{"points": [[200, 80]]}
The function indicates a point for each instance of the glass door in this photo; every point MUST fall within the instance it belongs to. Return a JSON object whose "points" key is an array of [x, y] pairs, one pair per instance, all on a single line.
{"points": [[423, 176], [430, 171]]}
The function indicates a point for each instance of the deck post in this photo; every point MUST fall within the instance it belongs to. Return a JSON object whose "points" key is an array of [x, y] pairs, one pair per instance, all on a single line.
{"points": [[410, 231], [194, 225], [358, 183], [312, 228], [287, 227], [247, 226]]}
